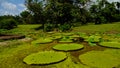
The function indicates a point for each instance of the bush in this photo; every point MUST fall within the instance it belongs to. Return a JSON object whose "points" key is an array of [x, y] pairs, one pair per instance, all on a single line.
{"points": [[48, 27], [65, 27], [3, 31], [8, 24]]}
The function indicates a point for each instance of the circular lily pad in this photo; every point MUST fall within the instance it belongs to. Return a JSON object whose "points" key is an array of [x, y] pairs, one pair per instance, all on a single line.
{"points": [[99, 59], [68, 47], [56, 37], [110, 44], [42, 40], [46, 57]]}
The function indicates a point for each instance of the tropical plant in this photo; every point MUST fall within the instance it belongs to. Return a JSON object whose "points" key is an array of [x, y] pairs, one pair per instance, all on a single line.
{"points": [[68, 47], [46, 57], [65, 39], [110, 44], [99, 59]]}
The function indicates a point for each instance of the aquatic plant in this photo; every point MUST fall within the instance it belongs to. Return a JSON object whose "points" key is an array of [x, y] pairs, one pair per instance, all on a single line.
{"points": [[93, 38], [110, 44], [99, 59], [68, 47], [65, 39], [46, 57]]}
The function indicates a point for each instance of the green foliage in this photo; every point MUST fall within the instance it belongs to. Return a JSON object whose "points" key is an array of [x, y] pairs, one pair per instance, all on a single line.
{"points": [[68, 47], [65, 27], [104, 12], [3, 31], [65, 39], [26, 17], [46, 57], [93, 38], [48, 27], [110, 44], [8, 24]]}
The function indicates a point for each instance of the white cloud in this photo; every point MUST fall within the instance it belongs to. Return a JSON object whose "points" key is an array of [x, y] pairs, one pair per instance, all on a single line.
{"points": [[21, 5], [9, 6]]}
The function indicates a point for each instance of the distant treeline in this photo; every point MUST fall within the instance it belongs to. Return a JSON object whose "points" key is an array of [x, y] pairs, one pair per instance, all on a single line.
{"points": [[62, 14]]}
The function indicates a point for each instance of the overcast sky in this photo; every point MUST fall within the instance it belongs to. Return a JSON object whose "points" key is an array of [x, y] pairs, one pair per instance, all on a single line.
{"points": [[14, 7]]}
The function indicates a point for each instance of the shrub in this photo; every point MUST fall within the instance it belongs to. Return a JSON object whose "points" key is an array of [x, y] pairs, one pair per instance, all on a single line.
{"points": [[65, 27], [8, 24], [48, 27], [3, 31], [46, 57]]}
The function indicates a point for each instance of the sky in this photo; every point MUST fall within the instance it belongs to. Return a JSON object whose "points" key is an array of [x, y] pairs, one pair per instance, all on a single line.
{"points": [[14, 7], [11, 7]]}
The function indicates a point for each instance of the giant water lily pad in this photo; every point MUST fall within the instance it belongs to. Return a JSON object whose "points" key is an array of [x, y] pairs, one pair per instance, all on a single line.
{"points": [[114, 52], [46, 57], [110, 44], [99, 59], [42, 40], [56, 37], [68, 47]]}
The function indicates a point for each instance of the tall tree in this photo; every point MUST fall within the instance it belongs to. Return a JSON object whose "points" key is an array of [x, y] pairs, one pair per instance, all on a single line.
{"points": [[36, 9]]}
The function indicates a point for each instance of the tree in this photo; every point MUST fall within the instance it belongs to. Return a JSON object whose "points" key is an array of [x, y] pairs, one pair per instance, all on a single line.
{"points": [[36, 9], [26, 17], [104, 12]]}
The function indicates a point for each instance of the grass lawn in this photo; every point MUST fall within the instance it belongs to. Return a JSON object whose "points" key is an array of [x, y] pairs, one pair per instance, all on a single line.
{"points": [[111, 28], [12, 55]]}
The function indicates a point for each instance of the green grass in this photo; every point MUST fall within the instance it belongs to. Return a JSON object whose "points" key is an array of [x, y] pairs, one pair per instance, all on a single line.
{"points": [[23, 29], [98, 28], [42, 40]]}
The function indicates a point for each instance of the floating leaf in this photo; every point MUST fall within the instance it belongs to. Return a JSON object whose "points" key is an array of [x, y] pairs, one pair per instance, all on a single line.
{"points": [[68, 47], [110, 44], [46, 57], [99, 59]]}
